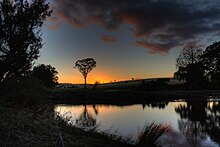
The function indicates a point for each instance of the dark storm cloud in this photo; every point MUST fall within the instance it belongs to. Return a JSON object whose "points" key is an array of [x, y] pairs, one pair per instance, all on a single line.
{"points": [[167, 22], [157, 47], [108, 38]]}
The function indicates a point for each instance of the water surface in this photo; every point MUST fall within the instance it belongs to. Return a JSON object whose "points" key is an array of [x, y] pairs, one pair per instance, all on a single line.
{"points": [[190, 123]]}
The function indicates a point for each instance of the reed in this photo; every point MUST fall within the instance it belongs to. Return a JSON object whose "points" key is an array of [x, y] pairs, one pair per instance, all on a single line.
{"points": [[150, 134]]}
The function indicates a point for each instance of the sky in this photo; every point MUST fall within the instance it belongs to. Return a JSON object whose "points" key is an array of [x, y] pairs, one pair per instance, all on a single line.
{"points": [[127, 38]]}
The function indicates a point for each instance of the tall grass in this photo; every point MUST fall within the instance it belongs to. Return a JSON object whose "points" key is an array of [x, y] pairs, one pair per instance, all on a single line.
{"points": [[26, 127], [150, 135], [22, 126]]}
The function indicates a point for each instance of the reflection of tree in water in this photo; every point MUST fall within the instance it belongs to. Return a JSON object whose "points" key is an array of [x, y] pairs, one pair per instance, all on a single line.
{"points": [[199, 119], [193, 131], [95, 109], [160, 105], [86, 119], [213, 123]]}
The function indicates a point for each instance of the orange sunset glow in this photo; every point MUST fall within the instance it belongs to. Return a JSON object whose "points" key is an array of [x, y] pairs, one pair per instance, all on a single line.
{"points": [[77, 78], [112, 73], [99, 77]]}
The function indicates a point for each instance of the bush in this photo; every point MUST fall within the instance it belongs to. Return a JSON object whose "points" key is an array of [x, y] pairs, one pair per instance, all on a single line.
{"points": [[26, 90]]}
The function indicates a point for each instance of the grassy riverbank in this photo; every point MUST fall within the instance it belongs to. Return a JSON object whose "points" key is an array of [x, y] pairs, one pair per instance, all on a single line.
{"points": [[28, 117], [38, 126]]}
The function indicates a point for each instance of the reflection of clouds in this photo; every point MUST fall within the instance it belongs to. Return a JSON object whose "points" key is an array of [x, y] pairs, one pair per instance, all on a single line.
{"points": [[199, 122], [173, 138], [127, 119], [193, 131]]}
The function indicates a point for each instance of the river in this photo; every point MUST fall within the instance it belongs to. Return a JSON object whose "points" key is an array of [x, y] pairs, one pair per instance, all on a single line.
{"points": [[190, 123]]}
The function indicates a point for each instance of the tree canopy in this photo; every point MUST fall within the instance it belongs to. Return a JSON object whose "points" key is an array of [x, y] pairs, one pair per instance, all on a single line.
{"points": [[199, 67], [188, 63], [46, 74], [190, 54], [85, 66], [211, 62], [20, 35]]}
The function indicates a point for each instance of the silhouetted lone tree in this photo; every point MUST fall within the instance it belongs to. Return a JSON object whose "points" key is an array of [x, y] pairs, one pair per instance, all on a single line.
{"points": [[85, 66], [188, 63], [20, 36], [46, 74]]}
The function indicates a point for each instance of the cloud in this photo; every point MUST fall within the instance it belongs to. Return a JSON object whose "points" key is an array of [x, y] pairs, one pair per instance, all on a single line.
{"points": [[161, 48], [53, 27], [108, 38], [53, 23], [163, 20]]}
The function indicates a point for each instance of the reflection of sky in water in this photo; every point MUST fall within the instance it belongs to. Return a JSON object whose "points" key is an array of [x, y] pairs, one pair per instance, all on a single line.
{"points": [[128, 120]]}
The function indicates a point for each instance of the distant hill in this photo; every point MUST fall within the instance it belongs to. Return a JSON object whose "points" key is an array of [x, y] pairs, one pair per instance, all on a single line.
{"points": [[169, 81]]}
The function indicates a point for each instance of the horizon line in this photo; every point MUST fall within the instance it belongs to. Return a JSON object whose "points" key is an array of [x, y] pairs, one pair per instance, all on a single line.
{"points": [[118, 81]]}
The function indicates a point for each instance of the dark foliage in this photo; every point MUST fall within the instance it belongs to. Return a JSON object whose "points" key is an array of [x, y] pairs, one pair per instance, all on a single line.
{"points": [[20, 36], [189, 55], [195, 75], [150, 135], [85, 66], [211, 62], [189, 65], [46, 74], [201, 71], [26, 91]]}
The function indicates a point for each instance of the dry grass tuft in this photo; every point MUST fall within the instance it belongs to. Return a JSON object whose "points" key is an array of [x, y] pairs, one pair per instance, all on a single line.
{"points": [[150, 134]]}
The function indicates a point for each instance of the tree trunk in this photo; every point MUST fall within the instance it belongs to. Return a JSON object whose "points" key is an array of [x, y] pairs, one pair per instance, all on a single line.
{"points": [[85, 83]]}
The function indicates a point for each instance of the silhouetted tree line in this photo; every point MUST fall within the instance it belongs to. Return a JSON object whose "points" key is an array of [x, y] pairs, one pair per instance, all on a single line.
{"points": [[200, 69]]}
